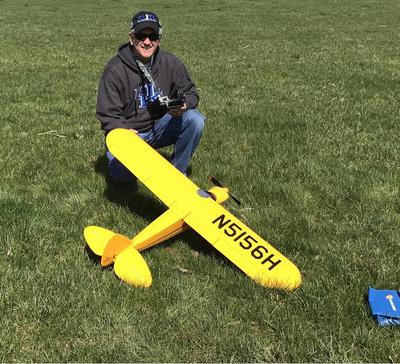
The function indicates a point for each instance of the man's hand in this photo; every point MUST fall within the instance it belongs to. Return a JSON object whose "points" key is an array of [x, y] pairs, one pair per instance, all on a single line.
{"points": [[178, 111]]}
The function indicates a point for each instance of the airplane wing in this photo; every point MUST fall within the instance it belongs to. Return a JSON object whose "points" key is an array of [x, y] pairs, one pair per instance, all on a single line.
{"points": [[251, 253]]}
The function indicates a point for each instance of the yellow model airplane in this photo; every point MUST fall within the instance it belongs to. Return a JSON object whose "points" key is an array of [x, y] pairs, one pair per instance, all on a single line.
{"points": [[188, 206]]}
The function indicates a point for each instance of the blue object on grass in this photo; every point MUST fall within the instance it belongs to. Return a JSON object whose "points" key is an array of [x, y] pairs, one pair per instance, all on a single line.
{"points": [[385, 306]]}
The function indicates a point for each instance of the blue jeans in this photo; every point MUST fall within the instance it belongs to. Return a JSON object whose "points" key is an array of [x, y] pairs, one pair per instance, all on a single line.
{"points": [[183, 132]]}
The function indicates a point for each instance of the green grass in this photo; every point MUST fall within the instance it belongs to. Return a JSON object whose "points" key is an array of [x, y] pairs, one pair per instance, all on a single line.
{"points": [[302, 106]]}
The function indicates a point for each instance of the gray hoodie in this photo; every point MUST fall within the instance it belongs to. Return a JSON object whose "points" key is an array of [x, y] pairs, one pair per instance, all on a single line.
{"points": [[124, 91]]}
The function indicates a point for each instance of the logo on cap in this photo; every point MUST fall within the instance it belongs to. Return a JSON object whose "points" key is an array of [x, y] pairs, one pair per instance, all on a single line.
{"points": [[146, 17]]}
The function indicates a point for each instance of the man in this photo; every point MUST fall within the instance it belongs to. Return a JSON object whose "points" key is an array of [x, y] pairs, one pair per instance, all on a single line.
{"points": [[129, 92]]}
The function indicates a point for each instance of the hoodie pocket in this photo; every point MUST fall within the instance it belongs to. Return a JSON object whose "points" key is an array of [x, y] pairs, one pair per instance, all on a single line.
{"points": [[130, 108]]}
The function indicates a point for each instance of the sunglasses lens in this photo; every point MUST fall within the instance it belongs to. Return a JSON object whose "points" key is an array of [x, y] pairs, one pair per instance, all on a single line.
{"points": [[143, 36], [154, 37]]}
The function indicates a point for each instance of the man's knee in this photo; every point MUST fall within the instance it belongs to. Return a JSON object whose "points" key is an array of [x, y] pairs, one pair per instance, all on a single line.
{"points": [[118, 172], [195, 120]]}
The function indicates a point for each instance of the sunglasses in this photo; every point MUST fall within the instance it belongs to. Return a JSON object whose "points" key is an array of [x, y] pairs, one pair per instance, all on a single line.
{"points": [[143, 36]]}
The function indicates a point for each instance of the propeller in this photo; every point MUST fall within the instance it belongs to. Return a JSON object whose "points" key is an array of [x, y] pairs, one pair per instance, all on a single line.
{"points": [[219, 184]]}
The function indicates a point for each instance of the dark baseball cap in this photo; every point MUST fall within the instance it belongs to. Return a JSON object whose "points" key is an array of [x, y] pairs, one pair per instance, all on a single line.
{"points": [[145, 19]]}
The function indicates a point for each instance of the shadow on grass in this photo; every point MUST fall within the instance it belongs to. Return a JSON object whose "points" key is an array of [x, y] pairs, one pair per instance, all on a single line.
{"points": [[200, 245], [128, 195], [94, 259]]}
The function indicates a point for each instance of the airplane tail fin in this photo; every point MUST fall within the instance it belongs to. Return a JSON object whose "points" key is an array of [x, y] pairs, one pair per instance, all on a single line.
{"points": [[117, 244], [130, 267]]}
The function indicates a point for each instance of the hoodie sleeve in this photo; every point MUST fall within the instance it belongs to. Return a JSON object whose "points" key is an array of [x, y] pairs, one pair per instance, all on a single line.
{"points": [[184, 84], [109, 104]]}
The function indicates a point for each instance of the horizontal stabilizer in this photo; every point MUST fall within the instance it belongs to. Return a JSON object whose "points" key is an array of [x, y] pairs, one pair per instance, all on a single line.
{"points": [[97, 238], [130, 267]]}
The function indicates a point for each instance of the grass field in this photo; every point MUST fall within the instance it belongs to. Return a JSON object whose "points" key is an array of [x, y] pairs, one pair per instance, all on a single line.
{"points": [[302, 106]]}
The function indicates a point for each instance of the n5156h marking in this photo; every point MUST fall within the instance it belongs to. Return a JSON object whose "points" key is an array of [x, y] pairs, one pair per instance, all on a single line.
{"points": [[246, 241]]}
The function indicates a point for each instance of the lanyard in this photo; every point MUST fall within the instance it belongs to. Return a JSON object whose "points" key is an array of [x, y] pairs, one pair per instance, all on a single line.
{"points": [[146, 72]]}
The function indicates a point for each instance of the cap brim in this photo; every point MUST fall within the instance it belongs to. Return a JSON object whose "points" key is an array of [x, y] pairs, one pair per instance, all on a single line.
{"points": [[146, 24]]}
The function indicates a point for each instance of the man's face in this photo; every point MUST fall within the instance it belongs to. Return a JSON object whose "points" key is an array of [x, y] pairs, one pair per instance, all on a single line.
{"points": [[144, 46]]}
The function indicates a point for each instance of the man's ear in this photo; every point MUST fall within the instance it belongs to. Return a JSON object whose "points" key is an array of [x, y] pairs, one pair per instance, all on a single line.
{"points": [[130, 38]]}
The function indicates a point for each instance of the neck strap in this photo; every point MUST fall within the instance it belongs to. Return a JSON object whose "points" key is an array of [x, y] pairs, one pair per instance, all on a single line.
{"points": [[145, 71]]}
